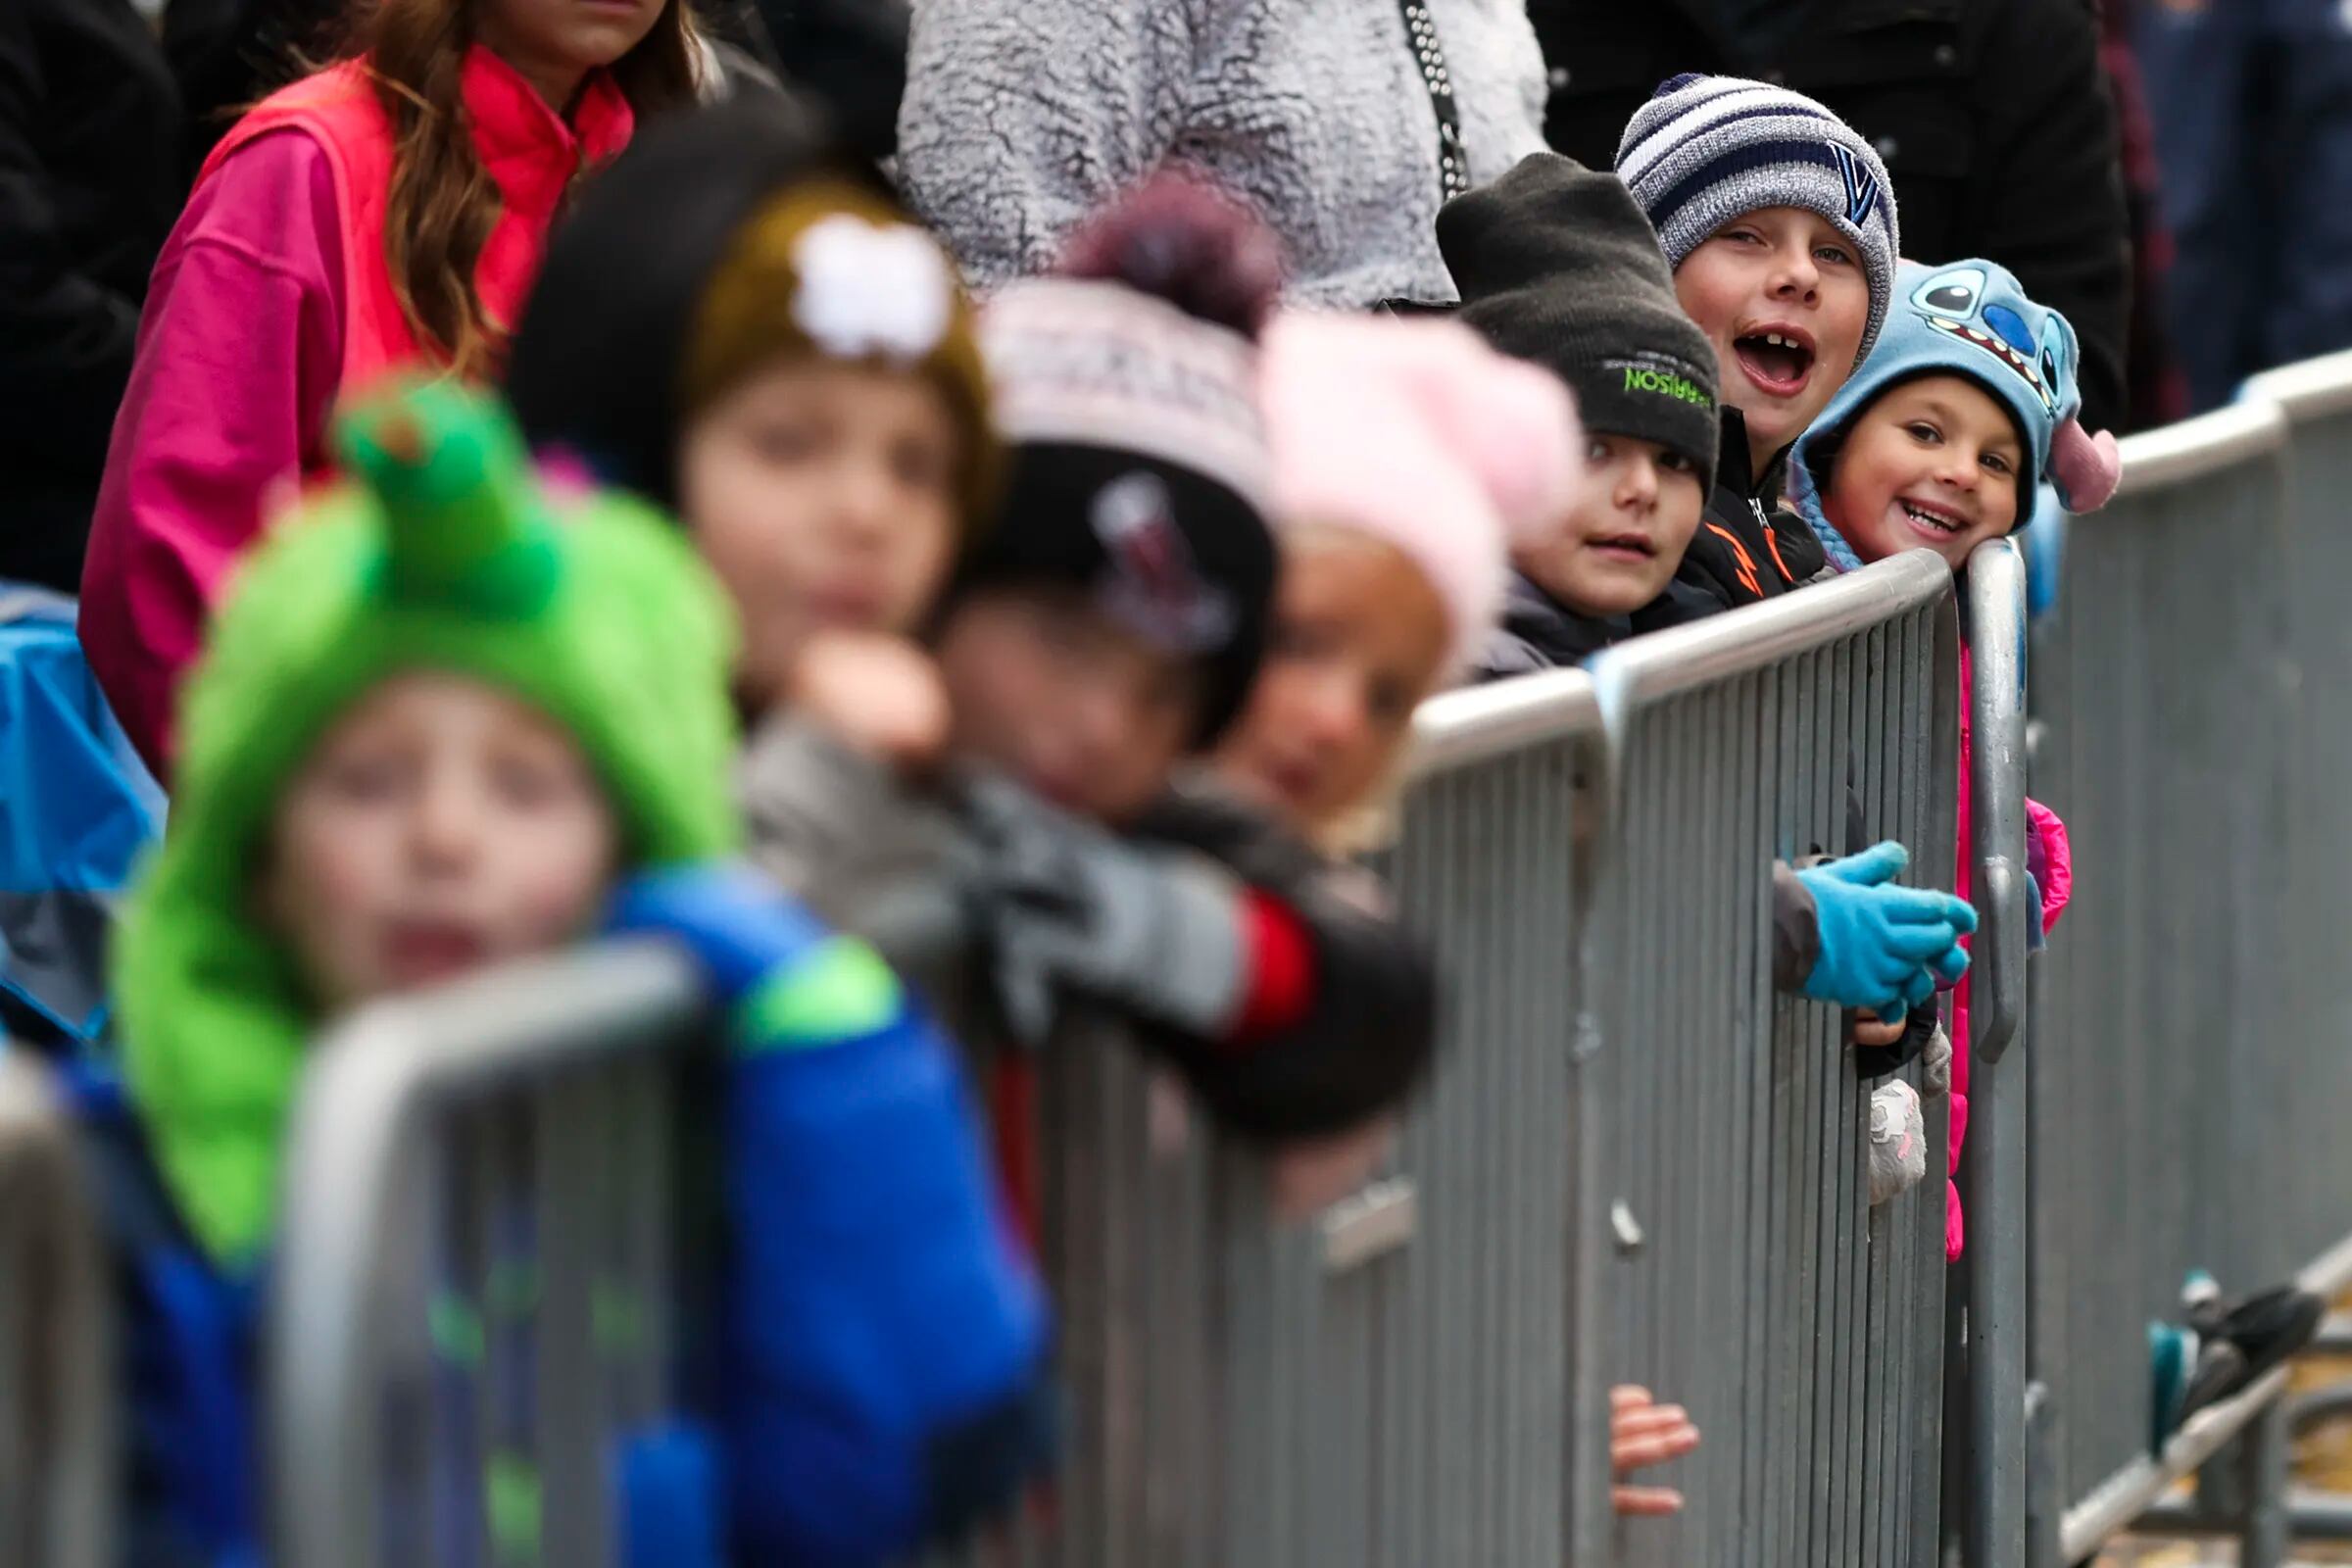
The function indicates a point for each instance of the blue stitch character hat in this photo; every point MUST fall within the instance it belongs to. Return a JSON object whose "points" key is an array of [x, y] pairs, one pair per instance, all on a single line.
{"points": [[1970, 318]]}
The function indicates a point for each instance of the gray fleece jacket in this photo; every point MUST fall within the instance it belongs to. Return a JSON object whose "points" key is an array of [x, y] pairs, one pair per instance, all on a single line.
{"points": [[1022, 116]]}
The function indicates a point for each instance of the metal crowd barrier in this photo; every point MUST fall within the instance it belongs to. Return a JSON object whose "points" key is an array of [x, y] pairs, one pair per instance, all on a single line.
{"points": [[1987, 1346], [1391, 1383], [56, 1418], [2194, 691], [1421, 1375], [1801, 1328], [477, 1270]]}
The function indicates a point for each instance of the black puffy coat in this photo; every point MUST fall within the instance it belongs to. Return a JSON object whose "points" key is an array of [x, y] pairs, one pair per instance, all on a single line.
{"points": [[1993, 117]]}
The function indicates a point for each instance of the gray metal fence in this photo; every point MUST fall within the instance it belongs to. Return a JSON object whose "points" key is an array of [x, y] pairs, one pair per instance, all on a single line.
{"points": [[1991, 1344], [1801, 1328], [471, 1302], [57, 1421], [2190, 1077], [1421, 1376], [1392, 1382]]}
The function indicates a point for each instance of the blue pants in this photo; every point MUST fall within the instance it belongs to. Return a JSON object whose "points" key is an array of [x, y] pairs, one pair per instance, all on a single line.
{"points": [[2252, 101]]}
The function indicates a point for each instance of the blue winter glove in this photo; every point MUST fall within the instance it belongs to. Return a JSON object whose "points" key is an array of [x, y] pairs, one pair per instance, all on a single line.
{"points": [[884, 1341], [1883, 945]]}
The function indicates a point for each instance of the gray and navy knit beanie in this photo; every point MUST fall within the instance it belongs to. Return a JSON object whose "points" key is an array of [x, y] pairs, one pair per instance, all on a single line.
{"points": [[1556, 264], [1705, 150]]}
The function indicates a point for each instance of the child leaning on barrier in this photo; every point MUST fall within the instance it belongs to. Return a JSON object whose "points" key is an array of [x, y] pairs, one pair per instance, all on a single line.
{"points": [[449, 717], [814, 406], [1556, 264], [740, 323], [1107, 630], [1404, 453], [1778, 222], [1960, 427], [1405, 456], [1559, 264]]}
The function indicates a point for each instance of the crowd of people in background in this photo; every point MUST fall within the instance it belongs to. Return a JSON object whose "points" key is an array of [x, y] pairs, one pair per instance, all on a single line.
{"points": [[946, 513]]}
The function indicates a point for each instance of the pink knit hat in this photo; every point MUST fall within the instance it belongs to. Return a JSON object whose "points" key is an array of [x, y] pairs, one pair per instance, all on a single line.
{"points": [[1417, 434]]}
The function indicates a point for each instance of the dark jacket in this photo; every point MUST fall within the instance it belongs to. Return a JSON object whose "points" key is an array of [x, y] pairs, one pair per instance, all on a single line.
{"points": [[187, 1347], [1746, 549], [89, 186], [1370, 1029], [1993, 116], [230, 53], [849, 55], [1538, 632]]}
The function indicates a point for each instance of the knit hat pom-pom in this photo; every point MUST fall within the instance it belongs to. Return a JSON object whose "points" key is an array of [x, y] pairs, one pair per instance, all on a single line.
{"points": [[1418, 434], [1179, 238], [2087, 467], [1513, 425]]}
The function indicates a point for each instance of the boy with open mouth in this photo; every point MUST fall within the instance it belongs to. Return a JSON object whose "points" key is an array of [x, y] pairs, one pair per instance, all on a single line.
{"points": [[1778, 222]]}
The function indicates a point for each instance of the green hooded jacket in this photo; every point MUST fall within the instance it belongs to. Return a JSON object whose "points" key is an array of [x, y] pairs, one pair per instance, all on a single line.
{"points": [[444, 550]]}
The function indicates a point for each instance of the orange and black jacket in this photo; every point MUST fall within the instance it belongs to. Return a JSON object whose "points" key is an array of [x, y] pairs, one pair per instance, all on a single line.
{"points": [[1746, 549]]}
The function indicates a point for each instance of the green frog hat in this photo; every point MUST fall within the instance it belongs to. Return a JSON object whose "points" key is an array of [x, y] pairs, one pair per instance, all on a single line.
{"points": [[446, 550]]}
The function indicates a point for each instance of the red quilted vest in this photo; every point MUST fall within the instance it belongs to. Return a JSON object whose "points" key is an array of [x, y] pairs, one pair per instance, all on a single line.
{"points": [[528, 150]]}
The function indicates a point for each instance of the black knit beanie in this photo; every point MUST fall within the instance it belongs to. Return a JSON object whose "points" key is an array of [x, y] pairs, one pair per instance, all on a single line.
{"points": [[598, 357], [1557, 263], [1125, 389]]}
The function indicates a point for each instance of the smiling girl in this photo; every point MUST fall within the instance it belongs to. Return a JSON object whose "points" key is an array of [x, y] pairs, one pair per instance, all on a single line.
{"points": [[1960, 427], [385, 211], [1406, 456]]}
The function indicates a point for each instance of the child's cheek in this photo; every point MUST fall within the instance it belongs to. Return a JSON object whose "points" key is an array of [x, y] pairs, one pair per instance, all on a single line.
{"points": [[556, 896], [567, 907], [344, 879]]}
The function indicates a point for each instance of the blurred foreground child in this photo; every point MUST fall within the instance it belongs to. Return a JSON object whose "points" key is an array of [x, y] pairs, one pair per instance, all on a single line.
{"points": [[449, 719]]}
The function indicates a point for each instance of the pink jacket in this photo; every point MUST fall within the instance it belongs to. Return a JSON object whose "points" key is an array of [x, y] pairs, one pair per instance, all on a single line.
{"points": [[270, 300], [2050, 858]]}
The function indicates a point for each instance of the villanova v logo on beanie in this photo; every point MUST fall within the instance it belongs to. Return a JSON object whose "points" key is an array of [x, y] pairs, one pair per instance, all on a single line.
{"points": [[1861, 186]]}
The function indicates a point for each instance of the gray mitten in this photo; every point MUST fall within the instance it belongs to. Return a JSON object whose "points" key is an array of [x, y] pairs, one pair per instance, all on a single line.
{"points": [[1898, 1142], [1936, 1064], [1067, 907]]}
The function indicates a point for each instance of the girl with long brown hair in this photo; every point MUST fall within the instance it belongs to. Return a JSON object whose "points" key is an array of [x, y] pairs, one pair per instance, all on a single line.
{"points": [[386, 211]]}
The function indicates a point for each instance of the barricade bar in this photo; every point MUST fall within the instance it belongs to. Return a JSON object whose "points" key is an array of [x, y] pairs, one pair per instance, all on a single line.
{"points": [[1478, 724], [365, 1101], [2157, 460], [1994, 1266], [2128, 1494], [1681, 659], [58, 1421], [2310, 390]]}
